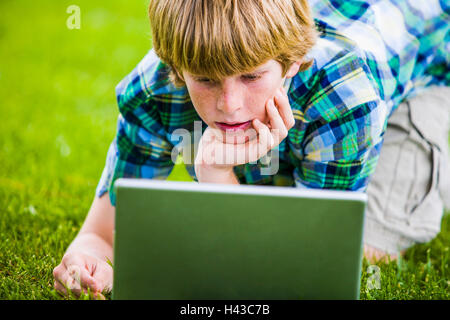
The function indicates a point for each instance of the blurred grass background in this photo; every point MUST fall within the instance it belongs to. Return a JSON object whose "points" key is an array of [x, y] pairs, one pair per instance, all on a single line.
{"points": [[59, 116]]}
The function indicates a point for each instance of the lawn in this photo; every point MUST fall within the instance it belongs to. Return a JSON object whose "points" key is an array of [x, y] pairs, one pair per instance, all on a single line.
{"points": [[59, 115]]}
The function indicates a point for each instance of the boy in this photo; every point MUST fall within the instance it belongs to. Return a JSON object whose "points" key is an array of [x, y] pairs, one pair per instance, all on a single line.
{"points": [[228, 64]]}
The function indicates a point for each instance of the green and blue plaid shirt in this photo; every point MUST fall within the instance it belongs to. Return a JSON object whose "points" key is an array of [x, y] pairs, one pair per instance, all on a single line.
{"points": [[369, 57]]}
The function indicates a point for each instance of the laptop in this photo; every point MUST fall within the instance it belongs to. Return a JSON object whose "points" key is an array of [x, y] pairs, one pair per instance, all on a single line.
{"points": [[190, 241]]}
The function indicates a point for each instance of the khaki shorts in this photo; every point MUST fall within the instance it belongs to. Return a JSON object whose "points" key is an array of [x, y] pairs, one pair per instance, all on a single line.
{"points": [[410, 189]]}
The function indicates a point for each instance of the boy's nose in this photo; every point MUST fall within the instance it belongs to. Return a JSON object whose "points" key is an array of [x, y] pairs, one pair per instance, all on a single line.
{"points": [[231, 99]]}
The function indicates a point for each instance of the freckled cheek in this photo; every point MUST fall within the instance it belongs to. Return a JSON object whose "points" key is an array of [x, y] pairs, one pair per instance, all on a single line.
{"points": [[258, 106], [204, 105]]}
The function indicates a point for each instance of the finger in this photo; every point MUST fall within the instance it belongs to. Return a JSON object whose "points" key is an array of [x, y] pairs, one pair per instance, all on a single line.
{"points": [[66, 284], [60, 275], [278, 129], [253, 149], [103, 276], [88, 281], [99, 296], [77, 280], [256, 148], [213, 133], [284, 107], [60, 288], [83, 277], [66, 290], [266, 140], [58, 271], [206, 147], [205, 154]]}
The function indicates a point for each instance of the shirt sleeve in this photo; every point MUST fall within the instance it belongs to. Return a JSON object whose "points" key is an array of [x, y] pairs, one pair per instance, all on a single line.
{"points": [[134, 153], [343, 127], [141, 148]]}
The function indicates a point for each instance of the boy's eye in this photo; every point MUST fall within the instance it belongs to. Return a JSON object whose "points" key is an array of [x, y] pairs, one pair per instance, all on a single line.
{"points": [[251, 77], [205, 80], [248, 77]]}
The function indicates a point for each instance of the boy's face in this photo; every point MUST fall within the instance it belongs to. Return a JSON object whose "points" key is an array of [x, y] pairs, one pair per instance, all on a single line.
{"points": [[236, 99]]}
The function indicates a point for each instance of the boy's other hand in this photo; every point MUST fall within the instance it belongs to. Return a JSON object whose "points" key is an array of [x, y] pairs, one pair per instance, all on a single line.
{"points": [[215, 158], [79, 272]]}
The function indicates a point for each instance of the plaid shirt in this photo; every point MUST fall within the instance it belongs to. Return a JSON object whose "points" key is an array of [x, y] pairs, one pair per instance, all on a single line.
{"points": [[368, 58]]}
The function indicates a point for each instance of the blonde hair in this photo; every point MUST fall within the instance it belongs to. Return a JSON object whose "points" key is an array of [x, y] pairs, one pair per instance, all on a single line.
{"points": [[220, 38]]}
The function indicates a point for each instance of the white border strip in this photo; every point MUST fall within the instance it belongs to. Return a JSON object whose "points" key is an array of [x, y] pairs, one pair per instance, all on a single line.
{"points": [[240, 189]]}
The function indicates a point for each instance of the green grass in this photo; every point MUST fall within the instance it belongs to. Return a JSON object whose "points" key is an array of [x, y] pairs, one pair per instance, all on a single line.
{"points": [[58, 117]]}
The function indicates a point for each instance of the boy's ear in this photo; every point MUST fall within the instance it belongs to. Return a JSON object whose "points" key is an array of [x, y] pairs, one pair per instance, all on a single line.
{"points": [[293, 69]]}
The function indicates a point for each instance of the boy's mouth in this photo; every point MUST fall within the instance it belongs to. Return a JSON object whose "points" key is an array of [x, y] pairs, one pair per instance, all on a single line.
{"points": [[231, 127]]}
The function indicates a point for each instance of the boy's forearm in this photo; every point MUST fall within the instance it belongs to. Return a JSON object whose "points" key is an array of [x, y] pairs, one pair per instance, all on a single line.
{"points": [[92, 244]]}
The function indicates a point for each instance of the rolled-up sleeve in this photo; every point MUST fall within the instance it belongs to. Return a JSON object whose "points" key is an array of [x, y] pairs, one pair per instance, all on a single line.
{"points": [[135, 153], [141, 147]]}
